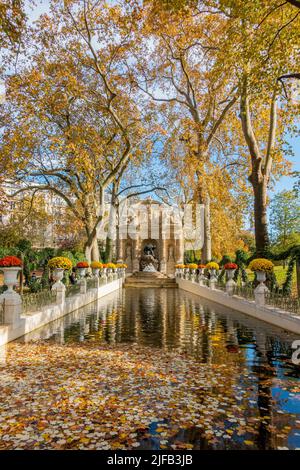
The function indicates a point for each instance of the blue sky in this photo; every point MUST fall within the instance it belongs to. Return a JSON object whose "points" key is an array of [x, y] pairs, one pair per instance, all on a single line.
{"points": [[286, 182]]}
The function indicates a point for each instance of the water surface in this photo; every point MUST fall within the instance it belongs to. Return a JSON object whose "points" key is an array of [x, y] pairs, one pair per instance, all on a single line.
{"points": [[174, 320]]}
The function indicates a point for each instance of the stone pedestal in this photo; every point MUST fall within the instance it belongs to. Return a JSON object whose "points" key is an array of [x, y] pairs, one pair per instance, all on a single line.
{"points": [[12, 303], [163, 266], [60, 290], [230, 284], [82, 284], [135, 265], [261, 290]]}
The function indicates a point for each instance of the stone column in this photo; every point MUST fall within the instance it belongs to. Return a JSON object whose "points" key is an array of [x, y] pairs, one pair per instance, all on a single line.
{"points": [[163, 251], [60, 290], [179, 250], [82, 283], [120, 254], [135, 255]]}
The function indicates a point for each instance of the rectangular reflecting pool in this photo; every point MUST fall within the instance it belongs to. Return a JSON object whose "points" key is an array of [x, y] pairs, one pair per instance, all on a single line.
{"points": [[151, 368]]}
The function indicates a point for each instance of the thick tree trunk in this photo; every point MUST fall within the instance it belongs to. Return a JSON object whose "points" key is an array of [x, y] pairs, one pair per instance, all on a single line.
{"points": [[206, 250], [92, 250], [108, 249], [260, 217]]}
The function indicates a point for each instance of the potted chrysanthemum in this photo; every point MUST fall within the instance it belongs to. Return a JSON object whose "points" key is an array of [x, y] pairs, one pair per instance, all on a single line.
{"points": [[58, 265], [213, 267], [111, 270], [201, 277], [230, 270], [11, 266], [192, 269], [82, 267], [261, 267], [179, 270], [96, 266]]}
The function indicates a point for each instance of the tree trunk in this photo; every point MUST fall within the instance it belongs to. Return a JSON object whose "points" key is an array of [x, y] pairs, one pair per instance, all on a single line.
{"points": [[260, 217], [112, 224], [108, 249], [92, 250], [206, 250]]}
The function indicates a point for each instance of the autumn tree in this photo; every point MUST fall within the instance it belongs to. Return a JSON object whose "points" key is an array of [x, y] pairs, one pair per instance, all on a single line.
{"points": [[183, 72], [258, 43], [12, 22], [76, 123], [264, 116]]}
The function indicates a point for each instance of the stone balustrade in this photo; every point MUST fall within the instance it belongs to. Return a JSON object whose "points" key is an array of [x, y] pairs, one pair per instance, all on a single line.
{"points": [[18, 320], [246, 300]]}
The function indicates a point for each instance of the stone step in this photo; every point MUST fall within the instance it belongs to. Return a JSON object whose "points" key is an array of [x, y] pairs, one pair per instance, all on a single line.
{"points": [[150, 285], [145, 281]]}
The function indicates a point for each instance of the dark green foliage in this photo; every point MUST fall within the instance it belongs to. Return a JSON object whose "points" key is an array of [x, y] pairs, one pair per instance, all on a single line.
{"points": [[241, 259], [225, 259], [221, 276], [35, 286], [287, 285], [26, 270], [24, 245], [45, 277]]}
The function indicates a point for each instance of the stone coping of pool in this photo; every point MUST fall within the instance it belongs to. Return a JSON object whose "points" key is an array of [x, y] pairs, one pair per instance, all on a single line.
{"points": [[272, 315], [49, 313]]}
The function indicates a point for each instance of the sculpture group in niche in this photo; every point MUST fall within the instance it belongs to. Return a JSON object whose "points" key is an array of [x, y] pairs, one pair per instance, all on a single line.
{"points": [[148, 261]]}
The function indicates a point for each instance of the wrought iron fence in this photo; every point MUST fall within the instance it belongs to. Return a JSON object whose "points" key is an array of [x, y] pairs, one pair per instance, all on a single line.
{"points": [[277, 300], [73, 289], [91, 283], [33, 302], [221, 286], [247, 292]]}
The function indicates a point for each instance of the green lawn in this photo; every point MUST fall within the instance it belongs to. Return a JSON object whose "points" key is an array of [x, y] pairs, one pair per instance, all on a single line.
{"points": [[280, 274]]}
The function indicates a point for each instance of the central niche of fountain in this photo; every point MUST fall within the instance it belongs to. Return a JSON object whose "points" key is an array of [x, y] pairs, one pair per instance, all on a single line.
{"points": [[149, 262]]}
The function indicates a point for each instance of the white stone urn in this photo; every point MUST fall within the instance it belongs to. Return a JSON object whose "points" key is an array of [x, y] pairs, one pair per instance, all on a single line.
{"points": [[103, 274], [213, 279], [58, 274], [261, 290], [10, 279], [96, 272], [81, 272], [11, 300], [115, 273], [201, 277], [261, 276], [230, 284], [58, 286]]}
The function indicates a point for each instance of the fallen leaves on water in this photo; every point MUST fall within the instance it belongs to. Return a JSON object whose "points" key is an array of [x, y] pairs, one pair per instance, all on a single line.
{"points": [[102, 397]]}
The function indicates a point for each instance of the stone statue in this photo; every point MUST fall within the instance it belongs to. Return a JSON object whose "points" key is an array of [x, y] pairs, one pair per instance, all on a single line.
{"points": [[149, 262], [149, 250]]}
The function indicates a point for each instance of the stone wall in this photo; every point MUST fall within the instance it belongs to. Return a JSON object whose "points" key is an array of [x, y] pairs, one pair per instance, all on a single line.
{"points": [[271, 315], [26, 323]]}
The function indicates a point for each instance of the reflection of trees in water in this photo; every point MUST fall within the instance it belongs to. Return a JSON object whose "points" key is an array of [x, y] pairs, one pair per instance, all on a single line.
{"points": [[264, 371]]}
